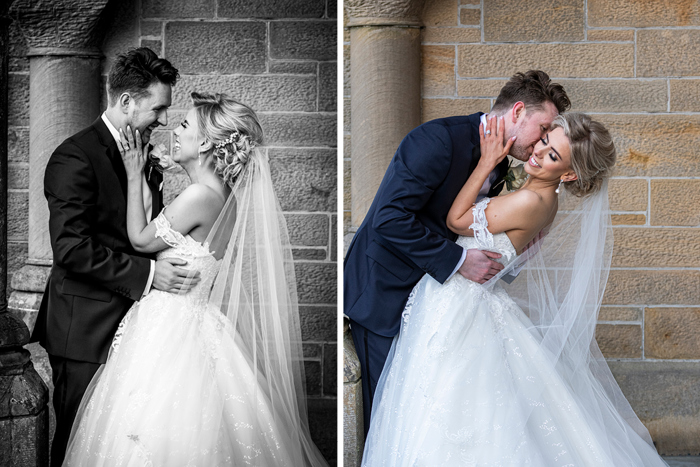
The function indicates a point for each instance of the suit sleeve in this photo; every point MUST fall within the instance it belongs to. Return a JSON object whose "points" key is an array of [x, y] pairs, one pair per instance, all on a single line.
{"points": [[421, 164], [70, 187]]}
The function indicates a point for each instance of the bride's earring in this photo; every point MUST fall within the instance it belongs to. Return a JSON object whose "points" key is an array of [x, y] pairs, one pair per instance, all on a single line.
{"points": [[560, 182], [200, 163]]}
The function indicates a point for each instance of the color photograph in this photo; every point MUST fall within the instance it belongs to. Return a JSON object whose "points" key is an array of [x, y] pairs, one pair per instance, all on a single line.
{"points": [[520, 221]]}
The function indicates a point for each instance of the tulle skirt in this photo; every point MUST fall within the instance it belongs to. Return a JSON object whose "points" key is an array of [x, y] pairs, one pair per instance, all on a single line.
{"points": [[178, 391], [467, 384]]}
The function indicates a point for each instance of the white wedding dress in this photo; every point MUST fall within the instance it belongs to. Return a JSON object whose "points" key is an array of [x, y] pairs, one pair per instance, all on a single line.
{"points": [[467, 384], [177, 390]]}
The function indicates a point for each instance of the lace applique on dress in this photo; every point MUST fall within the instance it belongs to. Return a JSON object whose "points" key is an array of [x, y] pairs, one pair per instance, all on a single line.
{"points": [[409, 304], [483, 237], [165, 231], [175, 239], [117, 339]]}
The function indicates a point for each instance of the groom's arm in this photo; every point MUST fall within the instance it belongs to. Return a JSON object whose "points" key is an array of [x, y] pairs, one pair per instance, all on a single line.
{"points": [[71, 190], [421, 164]]}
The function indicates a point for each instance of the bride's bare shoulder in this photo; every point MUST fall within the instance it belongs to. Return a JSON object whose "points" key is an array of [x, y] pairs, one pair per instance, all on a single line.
{"points": [[198, 202], [521, 201]]}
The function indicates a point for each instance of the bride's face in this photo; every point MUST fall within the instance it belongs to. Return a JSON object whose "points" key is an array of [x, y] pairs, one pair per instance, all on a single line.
{"points": [[551, 157], [187, 140]]}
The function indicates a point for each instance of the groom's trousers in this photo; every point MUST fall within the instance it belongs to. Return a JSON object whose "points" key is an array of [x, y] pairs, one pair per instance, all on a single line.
{"points": [[70, 380], [372, 350]]}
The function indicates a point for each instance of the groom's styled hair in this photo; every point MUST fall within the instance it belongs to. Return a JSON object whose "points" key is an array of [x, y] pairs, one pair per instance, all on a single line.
{"points": [[135, 71], [533, 88]]}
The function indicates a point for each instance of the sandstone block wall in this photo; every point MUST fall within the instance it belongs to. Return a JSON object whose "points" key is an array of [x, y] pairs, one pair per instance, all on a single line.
{"points": [[279, 57], [634, 66]]}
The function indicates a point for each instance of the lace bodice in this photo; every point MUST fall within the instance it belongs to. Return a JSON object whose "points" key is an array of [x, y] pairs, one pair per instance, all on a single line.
{"points": [[484, 240], [185, 247]]}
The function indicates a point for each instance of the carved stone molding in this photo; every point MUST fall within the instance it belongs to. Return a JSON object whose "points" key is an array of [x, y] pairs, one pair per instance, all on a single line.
{"points": [[383, 12], [65, 24]]}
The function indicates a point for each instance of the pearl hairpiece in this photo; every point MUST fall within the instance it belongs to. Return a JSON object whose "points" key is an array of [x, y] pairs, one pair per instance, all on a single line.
{"points": [[235, 136]]}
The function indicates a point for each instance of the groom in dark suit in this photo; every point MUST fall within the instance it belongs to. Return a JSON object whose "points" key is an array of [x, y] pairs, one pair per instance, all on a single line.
{"points": [[96, 274], [404, 234]]}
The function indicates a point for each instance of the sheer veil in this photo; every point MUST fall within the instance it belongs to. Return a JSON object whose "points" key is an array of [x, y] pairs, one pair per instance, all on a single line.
{"points": [[255, 290], [560, 288]]}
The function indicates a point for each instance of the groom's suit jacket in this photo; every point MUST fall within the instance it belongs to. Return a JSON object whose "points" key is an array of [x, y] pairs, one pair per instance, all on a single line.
{"points": [[404, 234], [96, 274]]}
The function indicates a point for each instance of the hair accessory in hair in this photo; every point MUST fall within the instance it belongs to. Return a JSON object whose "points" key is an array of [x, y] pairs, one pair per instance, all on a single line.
{"points": [[235, 136]]}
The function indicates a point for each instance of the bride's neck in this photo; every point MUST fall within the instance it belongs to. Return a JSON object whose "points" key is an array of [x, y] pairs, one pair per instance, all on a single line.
{"points": [[203, 174], [540, 185]]}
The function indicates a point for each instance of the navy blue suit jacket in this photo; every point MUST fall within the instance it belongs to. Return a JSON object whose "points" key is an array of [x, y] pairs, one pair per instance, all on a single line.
{"points": [[404, 234]]}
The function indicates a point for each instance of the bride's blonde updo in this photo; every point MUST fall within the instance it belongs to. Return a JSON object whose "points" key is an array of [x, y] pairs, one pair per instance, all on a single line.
{"points": [[593, 153], [232, 128]]}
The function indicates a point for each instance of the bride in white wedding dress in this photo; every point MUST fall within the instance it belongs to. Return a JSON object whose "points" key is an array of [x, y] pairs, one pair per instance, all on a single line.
{"points": [[511, 375], [212, 377]]}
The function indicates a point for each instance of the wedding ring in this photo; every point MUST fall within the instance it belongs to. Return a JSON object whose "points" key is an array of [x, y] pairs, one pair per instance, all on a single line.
{"points": [[487, 132]]}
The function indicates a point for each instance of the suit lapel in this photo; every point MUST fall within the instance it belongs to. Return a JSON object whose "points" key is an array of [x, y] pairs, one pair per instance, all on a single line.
{"points": [[116, 159], [156, 194], [497, 186], [500, 169], [112, 152]]}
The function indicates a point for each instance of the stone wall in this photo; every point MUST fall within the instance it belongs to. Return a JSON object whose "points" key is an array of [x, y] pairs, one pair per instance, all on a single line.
{"points": [[279, 57], [634, 66]]}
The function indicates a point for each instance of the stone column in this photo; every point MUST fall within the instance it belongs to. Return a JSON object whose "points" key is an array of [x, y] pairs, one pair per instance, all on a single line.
{"points": [[24, 416], [385, 89], [64, 98], [64, 90]]}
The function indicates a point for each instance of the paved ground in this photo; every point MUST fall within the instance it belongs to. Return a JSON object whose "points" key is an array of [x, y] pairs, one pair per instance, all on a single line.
{"points": [[690, 461]]}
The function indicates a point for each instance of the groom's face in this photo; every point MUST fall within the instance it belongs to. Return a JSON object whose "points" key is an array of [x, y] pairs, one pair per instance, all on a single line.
{"points": [[150, 111], [530, 128]]}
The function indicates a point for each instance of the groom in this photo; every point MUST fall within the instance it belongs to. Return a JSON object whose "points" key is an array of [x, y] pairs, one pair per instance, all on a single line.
{"points": [[404, 234], [96, 274]]}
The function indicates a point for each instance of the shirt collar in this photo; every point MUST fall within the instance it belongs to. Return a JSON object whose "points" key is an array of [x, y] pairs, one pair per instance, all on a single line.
{"points": [[113, 131]]}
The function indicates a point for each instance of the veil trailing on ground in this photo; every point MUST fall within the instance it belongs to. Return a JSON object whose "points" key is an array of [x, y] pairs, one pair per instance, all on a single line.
{"points": [[255, 290], [560, 288]]}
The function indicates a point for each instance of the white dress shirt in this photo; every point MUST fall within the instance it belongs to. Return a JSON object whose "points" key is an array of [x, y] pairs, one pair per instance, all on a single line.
{"points": [[147, 198]]}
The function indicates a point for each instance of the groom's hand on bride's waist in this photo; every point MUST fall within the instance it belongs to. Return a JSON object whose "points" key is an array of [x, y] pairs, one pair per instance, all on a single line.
{"points": [[170, 277], [479, 266]]}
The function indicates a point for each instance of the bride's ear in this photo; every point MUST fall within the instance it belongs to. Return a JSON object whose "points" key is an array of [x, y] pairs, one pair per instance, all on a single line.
{"points": [[569, 177], [205, 146]]}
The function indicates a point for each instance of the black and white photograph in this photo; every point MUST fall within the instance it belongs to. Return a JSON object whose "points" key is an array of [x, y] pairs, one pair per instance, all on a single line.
{"points": [[170, 181]]}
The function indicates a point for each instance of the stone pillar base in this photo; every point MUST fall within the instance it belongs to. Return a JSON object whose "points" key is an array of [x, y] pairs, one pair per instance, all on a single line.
{"points": [[353, 425], [32, 430], [28, 289]]}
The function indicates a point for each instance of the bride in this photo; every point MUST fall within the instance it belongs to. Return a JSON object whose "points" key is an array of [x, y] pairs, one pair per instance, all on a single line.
{"points": [[511, 375], [213, 377]]}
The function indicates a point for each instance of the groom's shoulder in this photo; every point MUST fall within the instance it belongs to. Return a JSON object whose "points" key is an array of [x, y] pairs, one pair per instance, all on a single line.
{"points": [[458, 120], [84, 140], [451, 124], [446, 129]]}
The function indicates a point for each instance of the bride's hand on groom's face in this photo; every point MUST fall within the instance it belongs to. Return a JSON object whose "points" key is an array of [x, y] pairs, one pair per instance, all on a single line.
{"points": [[493, 149], [133, 152], [169, 277]]}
